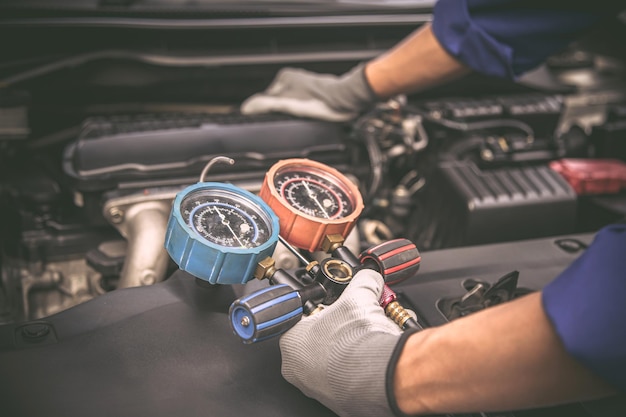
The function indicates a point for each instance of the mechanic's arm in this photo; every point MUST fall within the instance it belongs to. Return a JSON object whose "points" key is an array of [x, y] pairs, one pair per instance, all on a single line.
{"points": [[501, 38], [504, 358], [417, 63], [566, 343], [354, 360]]}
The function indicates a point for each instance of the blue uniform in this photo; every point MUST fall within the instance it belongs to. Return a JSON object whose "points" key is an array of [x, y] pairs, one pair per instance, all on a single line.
{"points": [[587, 306], [506, 38]]}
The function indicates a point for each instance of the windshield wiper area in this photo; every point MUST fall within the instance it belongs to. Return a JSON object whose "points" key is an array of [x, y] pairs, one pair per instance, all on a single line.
{"points": [[379, 4], [75, 8]]}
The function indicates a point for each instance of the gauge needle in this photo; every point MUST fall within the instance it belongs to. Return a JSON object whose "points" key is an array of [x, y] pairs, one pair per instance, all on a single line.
{"points": [[314, 198], [227, 224]]}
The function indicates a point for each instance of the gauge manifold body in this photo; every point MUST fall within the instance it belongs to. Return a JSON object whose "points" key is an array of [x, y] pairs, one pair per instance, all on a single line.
{"points": [[311, 200], [218, 232]]}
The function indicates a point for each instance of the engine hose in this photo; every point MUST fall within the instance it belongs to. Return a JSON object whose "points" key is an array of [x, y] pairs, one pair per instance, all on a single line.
{"points": [[473, 126], [367, 131]]}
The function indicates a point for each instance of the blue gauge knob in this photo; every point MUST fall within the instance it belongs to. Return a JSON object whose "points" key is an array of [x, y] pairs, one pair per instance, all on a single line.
{"points": [[218, 232], [265, 313]]}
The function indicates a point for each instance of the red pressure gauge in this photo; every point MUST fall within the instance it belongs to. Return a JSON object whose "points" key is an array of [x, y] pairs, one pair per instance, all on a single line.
{"points": [[311, 200]]}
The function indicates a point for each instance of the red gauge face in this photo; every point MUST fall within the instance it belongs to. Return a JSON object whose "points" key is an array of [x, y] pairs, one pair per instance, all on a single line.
{"points": [[311, 200], [314, 192]]}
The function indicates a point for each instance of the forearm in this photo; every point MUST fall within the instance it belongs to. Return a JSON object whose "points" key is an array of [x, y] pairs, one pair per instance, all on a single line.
{"points": [[505, 357], [417, 63]]}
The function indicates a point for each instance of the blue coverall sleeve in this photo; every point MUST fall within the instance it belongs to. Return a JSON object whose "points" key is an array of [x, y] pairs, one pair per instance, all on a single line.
{"points": [[505, 38], [587, 306]]}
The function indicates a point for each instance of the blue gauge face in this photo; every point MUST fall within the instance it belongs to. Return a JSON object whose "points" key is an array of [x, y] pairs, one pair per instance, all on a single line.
{"points": [[225, 218]]}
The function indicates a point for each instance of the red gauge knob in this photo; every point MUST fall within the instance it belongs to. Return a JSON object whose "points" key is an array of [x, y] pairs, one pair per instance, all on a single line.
{"points": [[311, 200], [396, 260]]}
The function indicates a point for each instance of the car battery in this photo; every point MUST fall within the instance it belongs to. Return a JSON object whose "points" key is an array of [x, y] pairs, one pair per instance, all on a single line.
{"points": [[505, 204]]}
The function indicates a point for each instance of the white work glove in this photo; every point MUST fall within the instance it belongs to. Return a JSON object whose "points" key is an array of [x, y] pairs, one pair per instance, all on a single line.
{"points": [[319, 96], [340, 356]]}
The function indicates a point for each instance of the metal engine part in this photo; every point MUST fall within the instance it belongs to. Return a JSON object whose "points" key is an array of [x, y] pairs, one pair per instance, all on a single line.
{"points": [[36, 291], [142, 220]]}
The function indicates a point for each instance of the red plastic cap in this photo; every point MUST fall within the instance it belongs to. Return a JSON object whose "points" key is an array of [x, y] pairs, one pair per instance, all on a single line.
{"points": [[592, 176]]}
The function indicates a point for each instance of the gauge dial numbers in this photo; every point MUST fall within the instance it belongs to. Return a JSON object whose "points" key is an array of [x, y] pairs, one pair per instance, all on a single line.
{"points": [[225, 219], [311, 200], [313, 195], [219, 232]]}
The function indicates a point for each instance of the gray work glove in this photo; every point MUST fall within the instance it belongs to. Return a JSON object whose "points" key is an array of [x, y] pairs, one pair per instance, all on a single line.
{"points": [[340, 355], [319, 96]]}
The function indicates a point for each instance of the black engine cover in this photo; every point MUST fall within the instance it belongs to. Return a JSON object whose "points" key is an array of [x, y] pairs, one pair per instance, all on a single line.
{"points": [[167, 349], [152, 150]]}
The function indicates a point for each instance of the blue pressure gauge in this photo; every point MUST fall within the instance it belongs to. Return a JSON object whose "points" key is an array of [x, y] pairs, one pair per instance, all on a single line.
{"points": [[219, 232]]}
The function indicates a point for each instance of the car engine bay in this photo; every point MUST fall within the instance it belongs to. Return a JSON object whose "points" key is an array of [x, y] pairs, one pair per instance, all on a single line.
{"points": [[105, 117]]}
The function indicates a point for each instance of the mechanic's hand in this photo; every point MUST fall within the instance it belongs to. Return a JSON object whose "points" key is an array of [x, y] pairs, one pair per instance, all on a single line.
{"points": [[340, 355], [320, 96]]}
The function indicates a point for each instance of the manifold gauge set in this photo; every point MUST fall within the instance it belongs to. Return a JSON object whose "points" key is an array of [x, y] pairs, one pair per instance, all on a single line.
{"points": [[223, 234]]}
